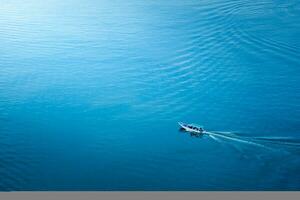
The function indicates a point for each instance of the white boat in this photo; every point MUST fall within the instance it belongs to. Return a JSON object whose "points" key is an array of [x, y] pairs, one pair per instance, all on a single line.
{"points": [[191, 128]]}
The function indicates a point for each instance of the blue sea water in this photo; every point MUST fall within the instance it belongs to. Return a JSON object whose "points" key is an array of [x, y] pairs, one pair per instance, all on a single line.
{"points": [[91, 93]]}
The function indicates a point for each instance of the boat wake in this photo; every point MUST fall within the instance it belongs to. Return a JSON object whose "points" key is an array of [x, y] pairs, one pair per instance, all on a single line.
{"points": [[268, 143], [229, 136]]}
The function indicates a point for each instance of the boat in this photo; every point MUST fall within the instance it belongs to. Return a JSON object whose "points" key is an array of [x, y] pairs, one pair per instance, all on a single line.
{"points": [[191, 128]]}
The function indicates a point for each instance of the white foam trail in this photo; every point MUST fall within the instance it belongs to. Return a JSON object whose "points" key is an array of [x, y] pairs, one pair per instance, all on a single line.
{"points": [[288, 141], [211, 134], [214, 138]]}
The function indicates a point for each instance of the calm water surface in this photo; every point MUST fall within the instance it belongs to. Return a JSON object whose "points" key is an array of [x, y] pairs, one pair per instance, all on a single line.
{"points": [[91, 93]]}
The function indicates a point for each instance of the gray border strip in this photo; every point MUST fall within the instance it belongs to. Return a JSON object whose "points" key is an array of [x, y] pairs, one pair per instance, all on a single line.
{"points": [[149, 195]]}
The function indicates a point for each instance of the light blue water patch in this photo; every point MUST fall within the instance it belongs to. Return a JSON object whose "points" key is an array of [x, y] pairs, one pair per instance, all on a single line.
{"points": [[91, 93]]}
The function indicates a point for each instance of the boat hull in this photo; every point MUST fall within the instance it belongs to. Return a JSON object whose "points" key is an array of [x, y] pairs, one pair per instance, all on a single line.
{"points": [[186, 128]]}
